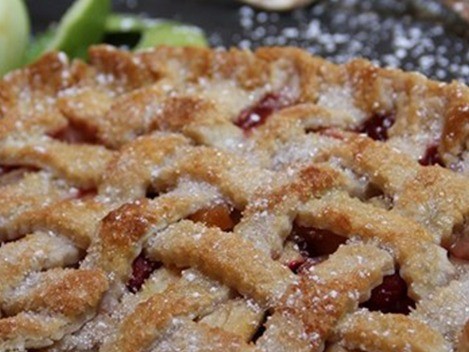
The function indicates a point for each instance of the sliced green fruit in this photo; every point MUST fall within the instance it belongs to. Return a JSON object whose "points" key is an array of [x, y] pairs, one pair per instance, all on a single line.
{"points": [[155, 31], [14, 34], [125, 23], [172, 34], [39, 45], [82, 25]]}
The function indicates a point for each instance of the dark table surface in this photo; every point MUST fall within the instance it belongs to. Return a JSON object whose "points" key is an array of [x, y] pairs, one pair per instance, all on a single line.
{"points": [[415, 35]]}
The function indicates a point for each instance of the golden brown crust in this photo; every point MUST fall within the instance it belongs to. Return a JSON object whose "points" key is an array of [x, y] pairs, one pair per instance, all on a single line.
{"points": [[62, 293], [456, 123], [187, 244], [329, 291], [29, 330], [75, 219], [374, 331], [30, 193], [409, 242], [152, 317], [113, 156], [44, 313]]}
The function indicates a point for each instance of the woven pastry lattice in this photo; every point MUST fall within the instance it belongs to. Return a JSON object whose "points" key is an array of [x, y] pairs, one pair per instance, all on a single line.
{"points": [[184, 199]]}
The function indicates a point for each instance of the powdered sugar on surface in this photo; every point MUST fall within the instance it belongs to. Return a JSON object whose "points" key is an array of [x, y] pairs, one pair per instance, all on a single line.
{"points": [[415, 35], [395, 33]]}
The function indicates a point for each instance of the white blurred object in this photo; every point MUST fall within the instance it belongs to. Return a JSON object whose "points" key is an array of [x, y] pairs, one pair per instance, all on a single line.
{"points": [[447, 10], [14, 34], [278, 5]]}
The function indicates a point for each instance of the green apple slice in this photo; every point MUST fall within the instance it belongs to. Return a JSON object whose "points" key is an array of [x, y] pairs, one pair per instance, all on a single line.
{"points": [[126, 23], [14, 34], [172, 34], [40, 44], [155, 31], [82, 25]]}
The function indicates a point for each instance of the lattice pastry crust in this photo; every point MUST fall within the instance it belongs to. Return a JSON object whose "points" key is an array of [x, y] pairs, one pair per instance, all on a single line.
{"points": [[183, 199]]}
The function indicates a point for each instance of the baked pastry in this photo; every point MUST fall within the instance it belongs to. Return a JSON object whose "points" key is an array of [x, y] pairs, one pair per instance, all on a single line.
{"points": [[188, 199]]}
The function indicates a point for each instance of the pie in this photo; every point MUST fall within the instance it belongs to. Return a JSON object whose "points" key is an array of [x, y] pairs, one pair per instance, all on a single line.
{"points": [[188, 199]]}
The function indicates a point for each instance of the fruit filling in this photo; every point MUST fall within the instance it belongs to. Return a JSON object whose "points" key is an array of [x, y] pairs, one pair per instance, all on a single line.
{"points": [[75, 134], [257, 114], [86, 193], [261, 329], [5, 169], [377, 126], [314, 246], [142, 268], [222, 216], [390, 296], [12, 174], [431, 157], [460, 249], [151, 193]]}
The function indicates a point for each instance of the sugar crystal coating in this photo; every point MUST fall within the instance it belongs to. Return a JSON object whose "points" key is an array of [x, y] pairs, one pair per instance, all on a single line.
{"points": [[174, 228]]}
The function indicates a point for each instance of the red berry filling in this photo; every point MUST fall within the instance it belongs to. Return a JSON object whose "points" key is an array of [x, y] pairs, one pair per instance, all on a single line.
{"points": [[221, 215], [86, 193], [304, 266], [431, 157], [377, 126], [314, 245], [142, 268], [6, 169], [295, 265], [315, 242], [151, 193], [390, 296], [460, 249], [12, 174], [75, 134], [257, 114], [261, 329]]}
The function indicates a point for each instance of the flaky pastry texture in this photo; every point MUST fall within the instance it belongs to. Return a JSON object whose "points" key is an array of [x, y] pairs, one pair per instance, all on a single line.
{"points": [[171, 200]]}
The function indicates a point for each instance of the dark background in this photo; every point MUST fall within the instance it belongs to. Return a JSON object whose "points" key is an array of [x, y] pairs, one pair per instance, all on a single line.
{"points": [[416, 35]]}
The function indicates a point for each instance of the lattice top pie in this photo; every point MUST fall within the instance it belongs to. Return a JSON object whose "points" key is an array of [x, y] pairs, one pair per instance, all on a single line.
{"points": [[184, 199]]}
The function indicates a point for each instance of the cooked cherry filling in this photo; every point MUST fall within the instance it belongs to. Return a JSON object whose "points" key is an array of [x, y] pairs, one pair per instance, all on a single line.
{"points": [[261, 329], [460, 249], [377, 126], [87, 193], [390, 296], [151, 193], [314, 245], [221, 215], [6, 169], [257, 114], [295, 265], [12, 174], [431, 157], [142, 268], [75, 134]]}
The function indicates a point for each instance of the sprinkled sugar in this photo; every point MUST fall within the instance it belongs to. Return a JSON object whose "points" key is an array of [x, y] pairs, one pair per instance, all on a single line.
{"points": [[383, 31]]}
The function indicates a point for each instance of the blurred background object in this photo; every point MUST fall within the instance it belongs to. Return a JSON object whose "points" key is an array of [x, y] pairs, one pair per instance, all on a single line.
{"points": [[277, 5], [420, 35], [460, 7], [450, 11], [14, 34]]}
